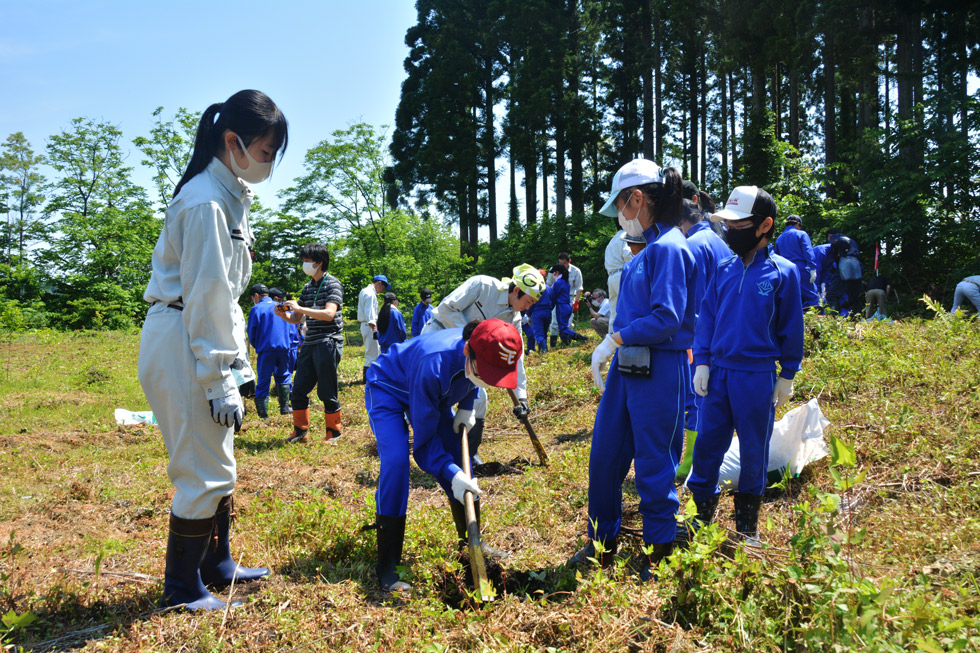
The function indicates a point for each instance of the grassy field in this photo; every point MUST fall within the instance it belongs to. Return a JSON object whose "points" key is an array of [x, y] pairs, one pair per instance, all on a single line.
{"points": [[883, 554]]}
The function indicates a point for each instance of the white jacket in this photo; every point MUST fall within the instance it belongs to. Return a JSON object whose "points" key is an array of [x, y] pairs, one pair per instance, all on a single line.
{"points": [[203, 261], [367, 305]]}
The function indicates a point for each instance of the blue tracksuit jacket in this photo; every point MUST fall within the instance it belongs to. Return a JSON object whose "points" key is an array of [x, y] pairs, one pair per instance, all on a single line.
{"points": [[640, 421], [395, 332], [420, 315], [794, 245], [267, 331], [422, 378]]}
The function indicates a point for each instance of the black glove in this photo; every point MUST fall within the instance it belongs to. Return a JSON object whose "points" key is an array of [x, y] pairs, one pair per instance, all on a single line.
{"points": [[522, 410]]}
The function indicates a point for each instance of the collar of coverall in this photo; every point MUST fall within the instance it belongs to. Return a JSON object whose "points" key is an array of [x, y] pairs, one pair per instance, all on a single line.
{"points": [[230, 181]]}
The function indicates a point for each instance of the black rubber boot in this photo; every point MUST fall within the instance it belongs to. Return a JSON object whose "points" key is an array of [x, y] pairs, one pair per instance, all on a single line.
{"points": [[283, 392], [391, 538], [705, 515], [747, 517], [553, 341], [219, 567], [579, 337], [585, 555], [364, 375], [660, 551], [262, 407], [475, 437], [186, 547], [459, 519]]}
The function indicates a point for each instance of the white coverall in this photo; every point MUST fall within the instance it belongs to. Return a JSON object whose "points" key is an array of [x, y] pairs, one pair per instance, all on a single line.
{"points": [[618, 254], [202, 261], [367, 314], [479, 298], [575, 286]]}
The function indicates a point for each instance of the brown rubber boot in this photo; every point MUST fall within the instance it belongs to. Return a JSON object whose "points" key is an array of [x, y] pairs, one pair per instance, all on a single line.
{"points": [[301, 426], [333, 425]]}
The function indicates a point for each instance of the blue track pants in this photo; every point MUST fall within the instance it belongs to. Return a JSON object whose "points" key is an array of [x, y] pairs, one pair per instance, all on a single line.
{"points": [[273, 363]]}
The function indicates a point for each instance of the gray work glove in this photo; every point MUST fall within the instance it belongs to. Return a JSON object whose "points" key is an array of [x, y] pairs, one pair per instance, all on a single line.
{"points": [[522, 410], [228, 410]]}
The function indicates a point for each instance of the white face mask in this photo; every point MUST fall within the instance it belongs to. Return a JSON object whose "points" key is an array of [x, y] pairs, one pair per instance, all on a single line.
{"points": [[478, 382], [255, 172], [632, 227], [308, 268]]}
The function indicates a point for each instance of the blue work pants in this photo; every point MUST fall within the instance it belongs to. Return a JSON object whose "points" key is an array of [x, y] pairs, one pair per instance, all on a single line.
{"points": [[540, 321], [272, 363]]}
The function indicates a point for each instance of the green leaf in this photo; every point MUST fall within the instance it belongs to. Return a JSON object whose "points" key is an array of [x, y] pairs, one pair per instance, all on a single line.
{"points": [[842, 453]]}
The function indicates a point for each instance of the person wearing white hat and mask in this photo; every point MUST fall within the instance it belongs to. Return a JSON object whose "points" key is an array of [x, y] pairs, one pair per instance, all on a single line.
{"points": [[194, 337], [750, 319], [640, 419]]}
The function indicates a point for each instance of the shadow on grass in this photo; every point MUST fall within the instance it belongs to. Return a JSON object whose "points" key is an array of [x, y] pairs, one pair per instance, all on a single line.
{"points": [[578, 436], [552, 584]]}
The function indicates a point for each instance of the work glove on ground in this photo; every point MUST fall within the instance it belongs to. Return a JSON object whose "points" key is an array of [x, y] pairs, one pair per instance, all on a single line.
{"points": [[701, 375], [600, 358], [522, 410], [228, 410], [813, 276], [463, 484], [783, 391], [463, 418]]}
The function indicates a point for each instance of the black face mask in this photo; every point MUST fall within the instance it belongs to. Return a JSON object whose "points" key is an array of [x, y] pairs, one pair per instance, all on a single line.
{"points": [[743, 240]]}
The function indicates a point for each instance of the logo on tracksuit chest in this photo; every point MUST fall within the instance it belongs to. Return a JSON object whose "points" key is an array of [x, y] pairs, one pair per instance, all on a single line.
{"points": [[765, 287]]}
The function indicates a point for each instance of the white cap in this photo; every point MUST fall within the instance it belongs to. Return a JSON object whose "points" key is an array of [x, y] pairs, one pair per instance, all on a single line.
{"points": [[744, 202], [635, 173]]}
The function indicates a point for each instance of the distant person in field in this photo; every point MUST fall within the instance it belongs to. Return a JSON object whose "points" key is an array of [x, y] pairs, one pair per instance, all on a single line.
{"points": [[296, 335], [367, 315], [561, 292], [272, 340], [876, 297], [482, 298], [968, 289], [616, 256], [540, 318], [844, 291], [575, 288], [194, 336], [391, 323], [319, 309], [640, 419], [422, 312], [794, 245], [599, 310], [417, 383], [751, 319]]}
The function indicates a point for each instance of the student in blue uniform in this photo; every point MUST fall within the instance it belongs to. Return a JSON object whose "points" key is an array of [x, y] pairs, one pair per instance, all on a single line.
{"points": [[272, 340], [824, 264], [709, 250], [561, 295], [641, 415], [794, 244], [541, 317], [295, 342], [422, 312], [423, 378], [751, 318], [391, 323]]}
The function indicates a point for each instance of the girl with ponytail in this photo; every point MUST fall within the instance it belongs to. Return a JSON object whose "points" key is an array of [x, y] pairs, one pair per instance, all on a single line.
{"points": [[641, 414], [192, 352]]}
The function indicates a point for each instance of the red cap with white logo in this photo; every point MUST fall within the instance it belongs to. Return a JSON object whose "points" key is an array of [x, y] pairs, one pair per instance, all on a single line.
{"points": [[497, 347]]}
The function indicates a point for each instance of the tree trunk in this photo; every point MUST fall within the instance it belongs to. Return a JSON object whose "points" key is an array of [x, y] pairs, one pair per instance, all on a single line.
{"points": [[794, 107], [731, 119], [658, 91], [703, 112], [490, 149], [723, 82], [777, 103], [560, 170], [692, 110], [830, 109], [530, 185], [545, 170], [646, 23]]}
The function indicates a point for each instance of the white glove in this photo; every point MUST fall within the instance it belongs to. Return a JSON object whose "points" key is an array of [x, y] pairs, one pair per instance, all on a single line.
{"points": [[601, 357], [813, 276], [228, 410], [463, 484], [784, 390], [701, 375], [465, 418]]}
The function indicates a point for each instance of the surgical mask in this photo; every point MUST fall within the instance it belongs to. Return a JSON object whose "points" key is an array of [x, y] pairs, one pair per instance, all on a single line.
{"points": [[633, 228], [475, 380], [742, 241], [255, 172], [309, 269]]}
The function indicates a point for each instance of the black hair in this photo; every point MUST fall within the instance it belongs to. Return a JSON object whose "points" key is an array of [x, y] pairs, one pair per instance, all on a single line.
{"points": [[510, 289], [384, 315], [665, 198], [250, 114], [468, 329], [707, 204], [318, 254], [560, 269], [564, 256], [692, 213]]}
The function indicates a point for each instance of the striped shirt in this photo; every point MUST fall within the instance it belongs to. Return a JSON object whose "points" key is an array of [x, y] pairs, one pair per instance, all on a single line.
{"points": [[317, 295]]}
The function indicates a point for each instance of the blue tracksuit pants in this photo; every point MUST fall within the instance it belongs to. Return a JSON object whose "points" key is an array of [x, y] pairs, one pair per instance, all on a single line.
{"points": [[640, 421], [389, 421], [740, 401], [528, 330], [808, 290], [272, 363], [540, 321], [694, 401], [564, 312]]}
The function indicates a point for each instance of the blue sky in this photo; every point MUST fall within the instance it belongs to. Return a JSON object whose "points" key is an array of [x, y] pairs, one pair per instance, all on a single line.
{"points": [[326, 63]]}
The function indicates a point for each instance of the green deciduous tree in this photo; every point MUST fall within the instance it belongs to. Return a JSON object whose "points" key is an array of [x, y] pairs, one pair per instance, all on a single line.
{"points": [[168, 149], [23, 187]]}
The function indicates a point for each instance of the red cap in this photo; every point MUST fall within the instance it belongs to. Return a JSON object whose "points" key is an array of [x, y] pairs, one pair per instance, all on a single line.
{"points": [[497, 347]]}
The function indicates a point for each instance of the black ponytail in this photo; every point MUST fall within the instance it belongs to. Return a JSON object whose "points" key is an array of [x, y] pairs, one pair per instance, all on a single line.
{"points": [[384, 315], [250, 114], [666, 200]]}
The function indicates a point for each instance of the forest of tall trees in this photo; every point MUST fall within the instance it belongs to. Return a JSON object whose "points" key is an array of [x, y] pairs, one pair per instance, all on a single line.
{"points": [[857, 116]]}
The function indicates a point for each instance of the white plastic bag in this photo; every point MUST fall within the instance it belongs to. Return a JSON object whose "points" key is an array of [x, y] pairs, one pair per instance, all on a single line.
{"points": [[129, 417], [797, 440]]}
